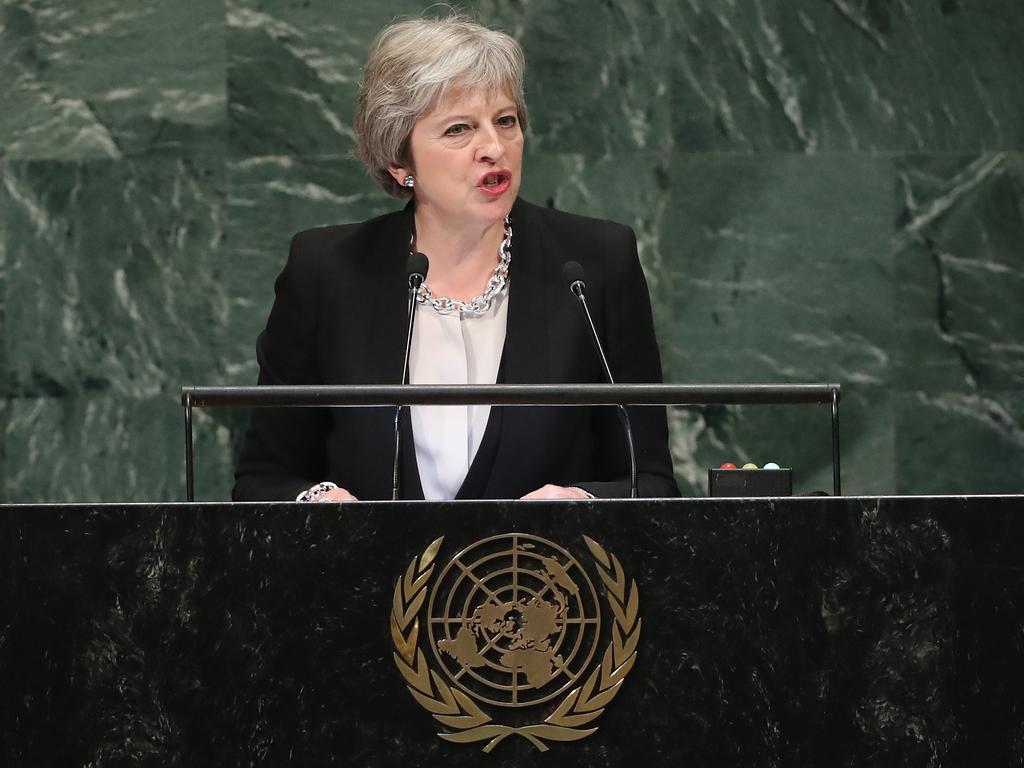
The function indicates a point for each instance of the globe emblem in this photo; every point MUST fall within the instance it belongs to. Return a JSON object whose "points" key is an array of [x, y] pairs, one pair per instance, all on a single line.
{"points": [[514, 620]]}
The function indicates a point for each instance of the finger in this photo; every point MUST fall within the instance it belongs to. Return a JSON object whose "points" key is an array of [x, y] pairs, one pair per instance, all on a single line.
{"points": [[535, 494], [549, 492], [337, 494]]}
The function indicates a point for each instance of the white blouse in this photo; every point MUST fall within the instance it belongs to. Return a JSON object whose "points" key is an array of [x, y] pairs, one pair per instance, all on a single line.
{"points": [[457, 348]]}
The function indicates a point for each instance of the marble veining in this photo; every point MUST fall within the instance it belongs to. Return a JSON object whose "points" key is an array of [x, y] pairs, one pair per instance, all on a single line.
{"points": [[102, 80], [820, 191]]}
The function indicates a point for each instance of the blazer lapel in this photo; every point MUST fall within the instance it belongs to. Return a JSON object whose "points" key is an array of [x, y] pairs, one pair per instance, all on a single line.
{"points": [[526, 356], [475, 484], [410, 487]]}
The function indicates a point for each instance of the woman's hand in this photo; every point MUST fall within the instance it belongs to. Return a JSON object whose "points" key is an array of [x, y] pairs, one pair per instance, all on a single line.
{"points": [[336, 494], [326, 491], [556, 492]]}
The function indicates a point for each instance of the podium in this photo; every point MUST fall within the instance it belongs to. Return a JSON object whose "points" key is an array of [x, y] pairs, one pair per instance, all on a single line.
{"points": [[810, 631]]}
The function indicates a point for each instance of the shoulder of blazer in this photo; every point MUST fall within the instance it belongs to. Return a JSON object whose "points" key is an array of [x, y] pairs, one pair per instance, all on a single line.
{"points": [[595, 243], [604, 248], [346, 264], [357, 242], [562, 223]]}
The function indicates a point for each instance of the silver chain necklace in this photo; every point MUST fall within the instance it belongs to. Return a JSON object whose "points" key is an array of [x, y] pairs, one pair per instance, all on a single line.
{"points": [[478, 305]]}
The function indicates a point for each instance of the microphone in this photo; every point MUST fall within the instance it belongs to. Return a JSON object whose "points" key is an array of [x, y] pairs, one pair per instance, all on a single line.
{"points": [[416, 269], [572, 271]]}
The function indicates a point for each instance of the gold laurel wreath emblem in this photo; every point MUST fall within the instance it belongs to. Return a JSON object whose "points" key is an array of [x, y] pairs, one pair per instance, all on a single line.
{"points": [[469, 723]]}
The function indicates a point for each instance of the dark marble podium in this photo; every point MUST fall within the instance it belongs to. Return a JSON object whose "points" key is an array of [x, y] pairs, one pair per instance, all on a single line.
{"points": [[807, 631]]}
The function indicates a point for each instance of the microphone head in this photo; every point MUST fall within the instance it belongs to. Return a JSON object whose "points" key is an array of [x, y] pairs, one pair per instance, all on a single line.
{"points": [[573, 273], [416, 268]]}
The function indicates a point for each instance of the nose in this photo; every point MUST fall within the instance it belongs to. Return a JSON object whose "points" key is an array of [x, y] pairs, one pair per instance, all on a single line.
{"points": [[490, 148]]}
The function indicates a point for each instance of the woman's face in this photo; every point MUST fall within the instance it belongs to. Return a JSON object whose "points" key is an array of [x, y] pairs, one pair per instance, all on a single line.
{"points": [[467, 159]]}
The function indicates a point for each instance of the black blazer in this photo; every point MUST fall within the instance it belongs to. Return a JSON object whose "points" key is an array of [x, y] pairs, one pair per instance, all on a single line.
{"points": [[339, 317]]}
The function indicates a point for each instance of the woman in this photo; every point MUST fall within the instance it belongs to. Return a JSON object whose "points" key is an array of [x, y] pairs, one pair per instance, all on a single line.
{"points": [[439, 120]]}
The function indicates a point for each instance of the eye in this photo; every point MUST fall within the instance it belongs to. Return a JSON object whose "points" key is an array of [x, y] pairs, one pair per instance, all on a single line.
{"points": [[456, 130], [508, 121]]}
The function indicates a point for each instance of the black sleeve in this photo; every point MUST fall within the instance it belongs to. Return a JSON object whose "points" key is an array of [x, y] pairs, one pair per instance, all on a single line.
{"points": [[633, 357], [283, 450]]}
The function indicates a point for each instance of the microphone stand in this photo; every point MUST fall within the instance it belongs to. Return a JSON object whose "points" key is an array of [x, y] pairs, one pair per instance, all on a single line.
{"points": [[416, 278], [577, 287]]}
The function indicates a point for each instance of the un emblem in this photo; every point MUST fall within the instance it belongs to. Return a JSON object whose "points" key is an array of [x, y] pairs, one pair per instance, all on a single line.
{"points": [[513, 626]]}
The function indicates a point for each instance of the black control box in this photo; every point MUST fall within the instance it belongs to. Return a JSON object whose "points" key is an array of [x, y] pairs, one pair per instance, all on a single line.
{"points": [[750, 482]]}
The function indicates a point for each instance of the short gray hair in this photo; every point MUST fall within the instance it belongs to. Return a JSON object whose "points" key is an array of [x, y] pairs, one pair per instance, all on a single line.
{"points": [[414, 65]]}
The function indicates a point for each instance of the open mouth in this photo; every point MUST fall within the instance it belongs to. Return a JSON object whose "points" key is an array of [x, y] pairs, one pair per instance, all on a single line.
{"points": [[494, 180]]}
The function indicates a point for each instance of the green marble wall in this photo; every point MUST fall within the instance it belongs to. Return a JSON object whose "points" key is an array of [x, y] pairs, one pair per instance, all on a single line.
{"points": [[822, 191]]}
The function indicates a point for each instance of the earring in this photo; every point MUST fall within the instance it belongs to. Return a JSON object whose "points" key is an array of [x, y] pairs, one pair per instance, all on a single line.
{"points": [[409, 182]]}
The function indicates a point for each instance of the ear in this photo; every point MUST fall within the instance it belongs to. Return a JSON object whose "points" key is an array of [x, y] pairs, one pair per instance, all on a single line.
{"points": [[398, 172]]}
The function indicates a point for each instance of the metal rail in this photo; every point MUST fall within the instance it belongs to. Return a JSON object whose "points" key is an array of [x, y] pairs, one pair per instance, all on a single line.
{"points": [[347, 396]]}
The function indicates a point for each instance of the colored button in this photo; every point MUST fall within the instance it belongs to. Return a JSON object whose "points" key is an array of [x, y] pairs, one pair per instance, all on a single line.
{"points": [[771, 465], [750, 465], [728, 465]]}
